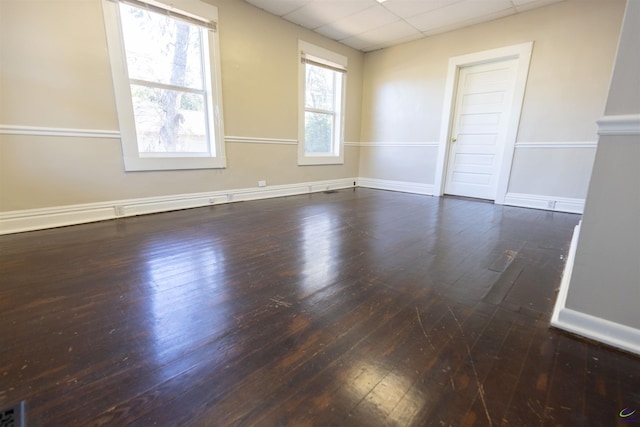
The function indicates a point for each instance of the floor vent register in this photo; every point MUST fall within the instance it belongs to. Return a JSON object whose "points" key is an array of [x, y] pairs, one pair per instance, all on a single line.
{"points": [[12, 417]]}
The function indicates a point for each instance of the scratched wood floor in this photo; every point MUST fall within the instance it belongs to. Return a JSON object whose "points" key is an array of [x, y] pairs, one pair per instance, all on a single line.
{"points": [[354, 308]]}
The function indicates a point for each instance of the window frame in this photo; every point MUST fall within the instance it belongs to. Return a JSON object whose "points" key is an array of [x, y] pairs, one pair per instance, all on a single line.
{"points": [[331, 59], [133, 159]]}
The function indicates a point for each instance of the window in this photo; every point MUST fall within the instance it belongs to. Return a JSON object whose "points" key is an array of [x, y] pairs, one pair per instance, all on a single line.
{"points": [[166, 77], [321, 117]]}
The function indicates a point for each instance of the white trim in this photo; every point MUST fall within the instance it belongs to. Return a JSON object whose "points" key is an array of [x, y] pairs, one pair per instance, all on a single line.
{"points": [[133, 159], [628, 124], [55, 131], [550, 144], [400, 144], [37, 219], [586, 325], [401, 186], [550, 203], [100, 133], [114, 134], [566, 274], [557, 145], [336, 156], [322, 54], [598, 329], [522, 52], [583, 324], [158, 6], [322, 62], [252, 140]]}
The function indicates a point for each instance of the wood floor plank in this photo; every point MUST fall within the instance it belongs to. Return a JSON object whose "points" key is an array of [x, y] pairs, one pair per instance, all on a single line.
{"points": [[601, 388], [629, 389], [504, 375], [356, 307], [348, 373], [565, 402], [435, 365], [529, 397]]}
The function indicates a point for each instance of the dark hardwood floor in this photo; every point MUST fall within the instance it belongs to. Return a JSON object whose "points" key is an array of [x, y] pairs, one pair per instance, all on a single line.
{"points": [[356, 308]]}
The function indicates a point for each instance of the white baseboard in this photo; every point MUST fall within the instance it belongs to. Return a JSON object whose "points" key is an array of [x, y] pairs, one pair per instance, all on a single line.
{"points": [[551, 203], [598, 329], [38, 219], [401, 186], [566, 274], [586, 325]]}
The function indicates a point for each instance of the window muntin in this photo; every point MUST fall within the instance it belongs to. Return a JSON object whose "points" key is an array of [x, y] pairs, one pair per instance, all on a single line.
{"points": [[323, 101], [166, 78], [169, 121], [323, 76]]}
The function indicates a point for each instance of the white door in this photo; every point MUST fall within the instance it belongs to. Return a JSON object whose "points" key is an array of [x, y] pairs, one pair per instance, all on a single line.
{"points": [[482, 107]]}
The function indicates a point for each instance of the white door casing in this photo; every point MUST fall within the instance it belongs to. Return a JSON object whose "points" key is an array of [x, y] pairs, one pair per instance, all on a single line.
{"points": [[521, 53], [481, 113]]}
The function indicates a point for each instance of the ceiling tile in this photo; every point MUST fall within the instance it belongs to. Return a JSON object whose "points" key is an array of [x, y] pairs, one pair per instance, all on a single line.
{"points": [[386, 35], [389, 43], [523, 5], [333, 32], [522, 2], [409, 8], [357, 43], [319, 12], [467, 23], [279, 7], [368, 25], [459, 13], [366, 20]]}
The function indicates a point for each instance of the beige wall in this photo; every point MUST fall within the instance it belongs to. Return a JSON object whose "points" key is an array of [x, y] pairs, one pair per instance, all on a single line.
{"points": [[55, 73], [553, 172], [606, 273], [396, 162], [54, 65], [570, 70]]}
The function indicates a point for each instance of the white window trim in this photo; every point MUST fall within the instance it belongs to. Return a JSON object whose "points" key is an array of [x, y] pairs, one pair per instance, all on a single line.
{"points": [[133, 160], [331, 58]]}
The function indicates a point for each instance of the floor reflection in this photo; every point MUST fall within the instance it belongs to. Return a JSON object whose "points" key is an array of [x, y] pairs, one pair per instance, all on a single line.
{"points": [[321, 244], [380, 390], [185, 275]]}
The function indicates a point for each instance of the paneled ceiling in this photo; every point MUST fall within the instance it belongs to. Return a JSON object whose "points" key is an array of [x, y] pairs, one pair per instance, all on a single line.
{"points": [[368, 25]]}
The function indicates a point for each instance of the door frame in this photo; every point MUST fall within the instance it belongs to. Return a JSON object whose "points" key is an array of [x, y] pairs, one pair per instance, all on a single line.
{"points": [[521, 52]]}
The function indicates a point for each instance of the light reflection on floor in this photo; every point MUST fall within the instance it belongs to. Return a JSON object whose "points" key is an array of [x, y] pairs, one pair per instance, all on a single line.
{"points": [[321, 250], [380, 390], [202, 274]]}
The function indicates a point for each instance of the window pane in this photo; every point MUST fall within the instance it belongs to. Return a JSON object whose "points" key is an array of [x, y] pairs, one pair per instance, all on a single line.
{"points": [[318, 132], [160, 49], [320, 87], [169, 121]]}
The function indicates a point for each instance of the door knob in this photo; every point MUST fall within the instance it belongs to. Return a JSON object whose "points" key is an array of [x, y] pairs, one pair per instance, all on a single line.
{"points": [[454, 139]]}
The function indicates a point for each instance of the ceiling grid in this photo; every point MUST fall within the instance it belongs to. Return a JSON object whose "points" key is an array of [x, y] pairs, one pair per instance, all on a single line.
{"points": [[369, 25]]}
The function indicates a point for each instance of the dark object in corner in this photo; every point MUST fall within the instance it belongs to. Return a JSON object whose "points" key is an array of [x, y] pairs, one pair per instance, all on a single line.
{"points": [[13, 416]]}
